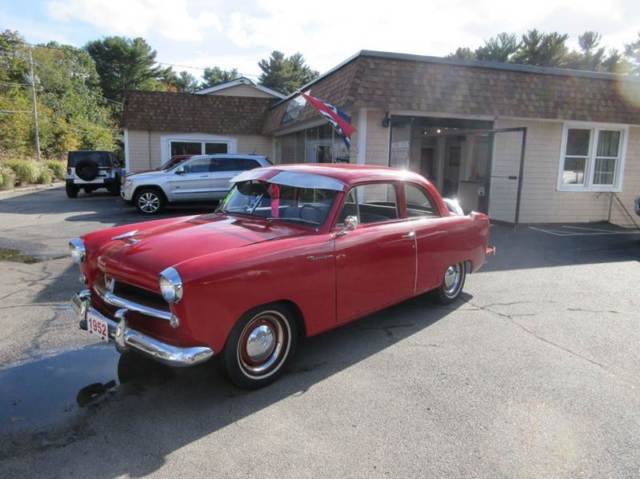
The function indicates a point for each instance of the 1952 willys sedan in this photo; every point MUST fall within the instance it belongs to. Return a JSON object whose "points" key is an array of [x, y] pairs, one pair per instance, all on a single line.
{"points": [[292, 251]]}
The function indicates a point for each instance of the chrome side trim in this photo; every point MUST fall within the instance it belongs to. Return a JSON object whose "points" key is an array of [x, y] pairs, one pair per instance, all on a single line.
{"points": [[126, 337], [119, 302], [126, 235]]}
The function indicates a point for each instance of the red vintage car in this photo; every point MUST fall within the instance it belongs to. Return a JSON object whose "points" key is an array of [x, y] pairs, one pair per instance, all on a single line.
{"points": [[292, 251]]}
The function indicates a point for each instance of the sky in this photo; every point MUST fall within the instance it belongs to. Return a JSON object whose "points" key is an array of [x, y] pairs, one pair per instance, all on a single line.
{"points": [[238, 33]]}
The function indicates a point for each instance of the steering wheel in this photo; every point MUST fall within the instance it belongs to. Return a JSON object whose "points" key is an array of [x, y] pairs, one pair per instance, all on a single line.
{"points": [[313, 213]]}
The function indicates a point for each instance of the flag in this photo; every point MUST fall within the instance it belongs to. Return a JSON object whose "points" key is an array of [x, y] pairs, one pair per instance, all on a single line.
{"points": [[340, 121]]}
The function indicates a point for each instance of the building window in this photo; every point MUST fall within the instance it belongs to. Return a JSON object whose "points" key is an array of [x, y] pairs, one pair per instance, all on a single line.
{"points": [[185, 148], [197, 148], [592, 158]]}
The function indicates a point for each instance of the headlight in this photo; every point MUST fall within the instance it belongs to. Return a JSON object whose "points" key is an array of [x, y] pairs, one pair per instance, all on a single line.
{"points": [[77, 251], [171, 285]]}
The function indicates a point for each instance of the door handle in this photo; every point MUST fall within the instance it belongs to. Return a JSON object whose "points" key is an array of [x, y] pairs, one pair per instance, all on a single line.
{"points": [[410, 235], [204, 176]]}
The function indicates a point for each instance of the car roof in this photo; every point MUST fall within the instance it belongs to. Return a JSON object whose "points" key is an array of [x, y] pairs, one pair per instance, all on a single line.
{"points": [[231, 155], [350, 173]]}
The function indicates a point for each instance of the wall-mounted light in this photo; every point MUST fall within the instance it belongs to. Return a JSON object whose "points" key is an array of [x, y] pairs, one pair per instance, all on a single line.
{"points": [[386, 121]]}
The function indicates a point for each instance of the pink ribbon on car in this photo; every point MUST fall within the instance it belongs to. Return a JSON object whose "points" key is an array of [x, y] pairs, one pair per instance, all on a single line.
{"points": [[275, 201]]}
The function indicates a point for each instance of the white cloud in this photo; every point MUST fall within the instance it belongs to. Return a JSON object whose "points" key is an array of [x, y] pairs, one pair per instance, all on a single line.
{"points": [[168, 18], [239, 32], [435, 27]]}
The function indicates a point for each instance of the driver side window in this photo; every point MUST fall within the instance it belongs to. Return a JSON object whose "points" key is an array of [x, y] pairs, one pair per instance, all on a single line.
{"points": [[201, 165]]}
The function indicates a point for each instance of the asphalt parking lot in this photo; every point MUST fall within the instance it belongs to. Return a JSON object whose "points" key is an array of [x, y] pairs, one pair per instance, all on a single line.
{"points": [[533, 374]]}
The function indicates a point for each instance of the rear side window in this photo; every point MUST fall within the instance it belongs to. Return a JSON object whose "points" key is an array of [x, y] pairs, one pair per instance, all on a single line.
{"points": [[372, 203], [233, 164], [418, 202]]}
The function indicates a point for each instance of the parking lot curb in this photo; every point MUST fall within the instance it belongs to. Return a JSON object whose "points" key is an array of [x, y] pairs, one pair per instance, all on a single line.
{"points": [[29, 189]]}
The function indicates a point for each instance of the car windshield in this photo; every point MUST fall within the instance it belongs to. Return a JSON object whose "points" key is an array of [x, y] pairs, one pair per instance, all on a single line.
{"points": [[278, 202], [174, 161]]}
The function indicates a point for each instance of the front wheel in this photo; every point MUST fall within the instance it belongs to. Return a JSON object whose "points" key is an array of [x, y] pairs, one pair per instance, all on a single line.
{"points": [[149, 201], [259, 346], [452, 283]]}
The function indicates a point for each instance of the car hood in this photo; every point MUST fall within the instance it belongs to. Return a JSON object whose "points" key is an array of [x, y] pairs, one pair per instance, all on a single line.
{"points": [[147, 174], [139, 257]]}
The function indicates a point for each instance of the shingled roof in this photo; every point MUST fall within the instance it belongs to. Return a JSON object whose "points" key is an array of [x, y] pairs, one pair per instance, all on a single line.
{"points": [[398, 82], [185, 112]]}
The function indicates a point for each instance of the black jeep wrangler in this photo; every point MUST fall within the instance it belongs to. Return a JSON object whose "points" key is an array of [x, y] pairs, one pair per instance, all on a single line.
{"points": [[91, 170]]}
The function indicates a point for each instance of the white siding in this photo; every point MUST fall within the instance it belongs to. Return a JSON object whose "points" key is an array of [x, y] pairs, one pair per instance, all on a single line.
{"points": [[377, 139], [541, 202], [242, 90], [145, 147], [630, 182]]}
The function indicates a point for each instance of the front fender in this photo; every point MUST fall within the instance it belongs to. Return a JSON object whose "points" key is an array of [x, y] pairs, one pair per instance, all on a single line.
{"points": [[221, 287]]}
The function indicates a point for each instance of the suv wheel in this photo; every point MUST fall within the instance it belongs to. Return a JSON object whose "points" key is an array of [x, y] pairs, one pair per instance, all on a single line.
{"points": [[87, 169], [149, 201], [72, 190]]}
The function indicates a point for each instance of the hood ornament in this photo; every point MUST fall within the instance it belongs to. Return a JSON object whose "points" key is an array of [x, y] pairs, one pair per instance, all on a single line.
{"points": [[110, 283]]}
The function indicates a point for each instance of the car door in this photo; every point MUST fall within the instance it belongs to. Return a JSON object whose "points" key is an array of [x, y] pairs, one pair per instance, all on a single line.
{"points": [[433, 236], [191, 181], [222, 170], [376, 262]]}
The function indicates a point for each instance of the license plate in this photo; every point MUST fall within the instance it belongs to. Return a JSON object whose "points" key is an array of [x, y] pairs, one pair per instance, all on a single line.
{"points": [[98, 327]]}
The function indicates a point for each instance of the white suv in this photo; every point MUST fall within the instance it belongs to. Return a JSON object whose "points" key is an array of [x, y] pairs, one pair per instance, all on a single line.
{"points": [[200, 178]]}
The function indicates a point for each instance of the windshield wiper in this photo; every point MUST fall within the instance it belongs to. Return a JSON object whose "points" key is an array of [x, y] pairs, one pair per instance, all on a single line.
{"points": [[298, 220]]}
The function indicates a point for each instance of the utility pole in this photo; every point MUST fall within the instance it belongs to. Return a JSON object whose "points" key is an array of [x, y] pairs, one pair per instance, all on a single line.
{"points": [[35, 107]]}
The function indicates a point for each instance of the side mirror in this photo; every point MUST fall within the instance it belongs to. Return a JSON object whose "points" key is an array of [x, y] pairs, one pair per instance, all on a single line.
{"points": [[180, 170], [350, 223]]}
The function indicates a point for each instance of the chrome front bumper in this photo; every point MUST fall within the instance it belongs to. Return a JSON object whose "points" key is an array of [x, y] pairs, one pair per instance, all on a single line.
{"points": [[128, 338]]}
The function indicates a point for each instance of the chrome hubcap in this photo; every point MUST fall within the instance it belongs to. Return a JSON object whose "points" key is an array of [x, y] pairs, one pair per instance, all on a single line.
{"points": [[452, 279], [260, 343], [264, 344], [149, 202]]}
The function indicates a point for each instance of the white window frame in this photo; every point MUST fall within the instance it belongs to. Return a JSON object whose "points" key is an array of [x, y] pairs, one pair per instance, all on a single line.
{"points": [[165, 143], [590, 162]]}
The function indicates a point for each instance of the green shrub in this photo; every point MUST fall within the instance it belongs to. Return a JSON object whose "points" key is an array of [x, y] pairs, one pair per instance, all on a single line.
{"points": [[45, 176], [7, 178], [27, 171], [58, 168]]}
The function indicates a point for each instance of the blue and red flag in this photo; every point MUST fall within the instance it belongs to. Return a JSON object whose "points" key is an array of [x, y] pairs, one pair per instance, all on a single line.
{"points": [[340, 121]]}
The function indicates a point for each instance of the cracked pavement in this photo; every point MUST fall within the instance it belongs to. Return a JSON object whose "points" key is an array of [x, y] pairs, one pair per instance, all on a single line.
{"points": [[533, 374]]}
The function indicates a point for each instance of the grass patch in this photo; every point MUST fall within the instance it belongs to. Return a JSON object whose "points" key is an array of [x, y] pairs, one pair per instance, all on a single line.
{"points": [[16, 256]]}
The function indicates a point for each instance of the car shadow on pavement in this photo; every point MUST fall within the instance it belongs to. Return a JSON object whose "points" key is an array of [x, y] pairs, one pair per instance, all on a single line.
{"points": [[541, 246], [142, 411], [97, 207]]}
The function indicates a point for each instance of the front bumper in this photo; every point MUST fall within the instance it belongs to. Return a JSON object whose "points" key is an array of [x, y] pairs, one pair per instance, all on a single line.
{"points": [[127, 338], [126, 191]]}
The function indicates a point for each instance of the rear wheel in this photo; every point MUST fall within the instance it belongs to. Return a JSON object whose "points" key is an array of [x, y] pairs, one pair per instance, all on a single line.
{"points": [[72, 190], [149, 201], [452, 283], [259, 346]]}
